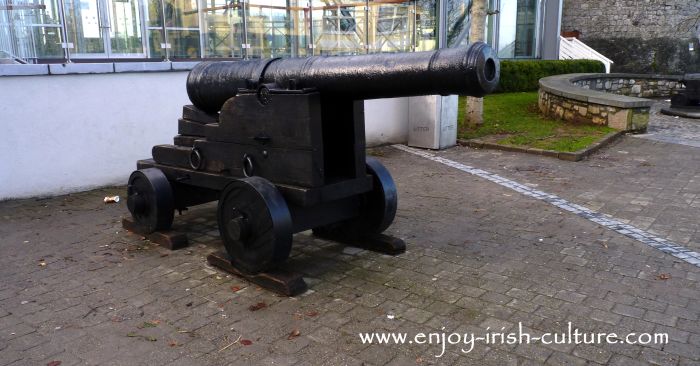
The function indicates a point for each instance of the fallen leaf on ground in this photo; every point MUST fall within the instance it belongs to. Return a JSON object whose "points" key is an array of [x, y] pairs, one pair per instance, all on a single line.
{"points": [[151, 324], [53, 363], [258, 306], [136, 335], [295, 333], [664, 276], [246, 342], [298, 316], [173, 344], [235, 288], [111, 199], [312, 313]]}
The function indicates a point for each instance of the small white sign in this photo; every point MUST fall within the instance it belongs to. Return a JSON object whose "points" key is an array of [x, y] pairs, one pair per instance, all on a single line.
{"points": [[165, 46], [67, 45]]}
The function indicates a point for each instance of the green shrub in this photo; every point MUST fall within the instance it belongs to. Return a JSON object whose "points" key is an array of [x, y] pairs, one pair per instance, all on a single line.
{"points": [[523, 75]]}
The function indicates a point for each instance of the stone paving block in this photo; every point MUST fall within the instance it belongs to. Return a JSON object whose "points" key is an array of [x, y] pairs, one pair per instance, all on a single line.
{"points": [[656, 357], [605, 317], [660, 318], [558, 358], [592, 353], [627, 310]]}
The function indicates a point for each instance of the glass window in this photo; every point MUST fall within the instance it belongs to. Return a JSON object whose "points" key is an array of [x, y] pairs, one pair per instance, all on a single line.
{"points": [[457, 22], [223, 28], [518, 29], [125, 27], [83, 28], [339, 28], [271, 31], [30, 29], [391, 26], [173, 29], [426, 25]]}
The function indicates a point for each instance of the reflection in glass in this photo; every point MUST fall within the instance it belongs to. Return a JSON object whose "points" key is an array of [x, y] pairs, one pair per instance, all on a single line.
{"points": [[83, 27], [258, 28], [390, 27], [47, 42], [223, 28], [458, 22], [125, 27], [30, 29], [426, 25], [339, 28], [173, 23]]}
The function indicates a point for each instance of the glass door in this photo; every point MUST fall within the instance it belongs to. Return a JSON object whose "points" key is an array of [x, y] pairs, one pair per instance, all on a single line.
{"points": [[104, 28], [125, 37], [85, 29]]}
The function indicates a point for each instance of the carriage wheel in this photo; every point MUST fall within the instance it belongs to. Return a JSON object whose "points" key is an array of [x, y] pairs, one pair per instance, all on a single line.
{"points": [[378, 207], [255, 224], [150, 200]]}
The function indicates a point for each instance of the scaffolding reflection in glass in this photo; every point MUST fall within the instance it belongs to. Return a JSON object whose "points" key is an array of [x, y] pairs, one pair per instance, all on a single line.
{"points": [[190, 29]]}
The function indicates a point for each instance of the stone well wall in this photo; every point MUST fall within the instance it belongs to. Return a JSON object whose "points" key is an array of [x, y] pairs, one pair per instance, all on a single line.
{"points": [[641, 86], [604, 99], [572, 110]]}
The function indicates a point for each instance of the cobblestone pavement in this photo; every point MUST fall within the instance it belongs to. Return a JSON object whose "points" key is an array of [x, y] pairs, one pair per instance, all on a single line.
{"points": [[677, 130], [652, 185], [78, 289]]}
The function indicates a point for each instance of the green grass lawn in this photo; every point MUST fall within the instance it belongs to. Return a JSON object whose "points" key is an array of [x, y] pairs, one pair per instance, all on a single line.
{"points": [[513, 119]]}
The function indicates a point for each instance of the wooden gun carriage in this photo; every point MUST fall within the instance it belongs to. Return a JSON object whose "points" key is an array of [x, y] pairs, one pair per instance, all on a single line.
{"points": [[280, 143]]}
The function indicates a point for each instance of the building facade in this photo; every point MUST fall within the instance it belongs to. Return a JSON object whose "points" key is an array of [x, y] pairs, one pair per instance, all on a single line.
{"points": [[51, 31]]}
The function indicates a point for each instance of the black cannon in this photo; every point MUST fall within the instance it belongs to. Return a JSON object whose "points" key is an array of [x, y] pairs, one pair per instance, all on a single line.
{"points": [[690, 97], [280, 143]]}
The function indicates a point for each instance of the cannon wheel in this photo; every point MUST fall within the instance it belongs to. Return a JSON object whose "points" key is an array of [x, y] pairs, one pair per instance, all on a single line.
{"points": [[377, 211], [255, 224], [150, 200]]}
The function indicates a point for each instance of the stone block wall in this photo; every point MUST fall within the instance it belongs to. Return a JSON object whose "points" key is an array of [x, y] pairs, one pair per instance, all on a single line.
{"points": [[577, 111], [649, 36], [639, 87]]}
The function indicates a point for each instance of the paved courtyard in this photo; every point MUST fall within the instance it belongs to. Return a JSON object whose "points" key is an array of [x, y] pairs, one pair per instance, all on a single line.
{"points": [[78, 289]]}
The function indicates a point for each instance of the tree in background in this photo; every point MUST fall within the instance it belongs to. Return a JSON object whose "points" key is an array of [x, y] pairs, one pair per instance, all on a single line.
{"points": [[474, 115]]}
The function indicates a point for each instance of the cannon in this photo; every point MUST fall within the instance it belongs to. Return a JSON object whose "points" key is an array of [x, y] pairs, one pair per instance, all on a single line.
{"points": [[687, 102], [690, 97], [280, 143]]}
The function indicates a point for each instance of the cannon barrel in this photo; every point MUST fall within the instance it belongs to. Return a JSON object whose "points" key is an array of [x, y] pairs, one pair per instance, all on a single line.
{"points": [[470, 71]]}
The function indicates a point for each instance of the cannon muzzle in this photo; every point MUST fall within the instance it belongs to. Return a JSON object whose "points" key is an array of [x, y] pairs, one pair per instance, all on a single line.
{"points": [[470, 71]]}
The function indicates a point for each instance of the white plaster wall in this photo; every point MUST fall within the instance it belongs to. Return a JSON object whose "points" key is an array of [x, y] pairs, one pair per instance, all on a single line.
{"points": [[67, 133], [386, 121]]}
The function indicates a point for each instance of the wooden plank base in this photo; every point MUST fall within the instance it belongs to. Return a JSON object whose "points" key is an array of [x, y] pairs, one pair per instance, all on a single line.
{"points": [[279, 281], [381, 243], [167, 239]]}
